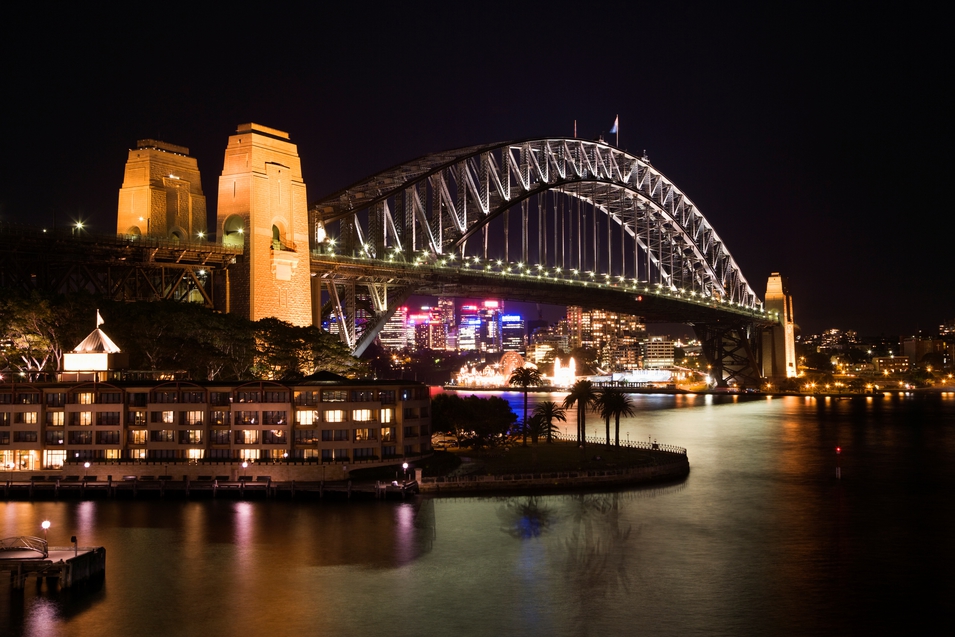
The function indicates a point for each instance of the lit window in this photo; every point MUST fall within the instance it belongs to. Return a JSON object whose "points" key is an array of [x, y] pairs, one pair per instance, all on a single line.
{"points": [[362, 415], [387, 414], [247, 437], [365, 434], [334, 415], [305, 417], [168, 417]]}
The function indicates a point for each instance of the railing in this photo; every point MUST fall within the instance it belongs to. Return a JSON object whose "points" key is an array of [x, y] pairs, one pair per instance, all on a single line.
{"points": [[630, 444], [25, 543]]}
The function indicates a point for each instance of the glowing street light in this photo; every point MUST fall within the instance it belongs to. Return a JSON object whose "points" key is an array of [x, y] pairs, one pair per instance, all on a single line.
{"points": [[46, 526], [404, 465]]}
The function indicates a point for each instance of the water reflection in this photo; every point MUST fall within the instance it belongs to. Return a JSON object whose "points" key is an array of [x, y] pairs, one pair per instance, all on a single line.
{"points": [[759, 539], [524, 518]]}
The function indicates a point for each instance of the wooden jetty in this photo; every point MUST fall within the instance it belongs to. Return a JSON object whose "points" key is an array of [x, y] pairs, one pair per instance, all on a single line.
{"points": [[25, 556]]}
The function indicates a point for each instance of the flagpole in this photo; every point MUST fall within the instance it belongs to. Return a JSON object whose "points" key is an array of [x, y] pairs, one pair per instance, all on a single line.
{"points": [[618, 129]]}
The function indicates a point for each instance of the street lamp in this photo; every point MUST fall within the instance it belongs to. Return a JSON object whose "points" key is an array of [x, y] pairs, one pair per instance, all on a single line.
{"points": [[86, 469], [245, 465], [404, 465], [46, 526]]}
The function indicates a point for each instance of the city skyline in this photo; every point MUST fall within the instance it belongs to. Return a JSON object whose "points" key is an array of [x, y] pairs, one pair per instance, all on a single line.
{"points": [[784, 126]]}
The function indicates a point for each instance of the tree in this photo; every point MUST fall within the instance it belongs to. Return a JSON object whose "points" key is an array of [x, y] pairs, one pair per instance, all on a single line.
{"points": [[548, 412], [584, 396], [525, 377], [613, 403], [475, 422], [37, 329]]}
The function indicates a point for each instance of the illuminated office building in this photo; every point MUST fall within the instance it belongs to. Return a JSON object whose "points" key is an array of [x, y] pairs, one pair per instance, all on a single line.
{"points": [[617, 339], [395, 335], [512, 333]]}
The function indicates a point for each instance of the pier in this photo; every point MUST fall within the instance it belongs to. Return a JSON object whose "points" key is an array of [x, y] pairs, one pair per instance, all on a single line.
{"points": [[25, 557]]}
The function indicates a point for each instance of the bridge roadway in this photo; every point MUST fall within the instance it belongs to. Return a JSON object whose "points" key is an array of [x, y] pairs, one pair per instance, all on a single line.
{"points": [[510, 281]]}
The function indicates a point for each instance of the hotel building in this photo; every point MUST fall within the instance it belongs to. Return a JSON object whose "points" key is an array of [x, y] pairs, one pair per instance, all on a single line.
{"points": [[325, 418]]}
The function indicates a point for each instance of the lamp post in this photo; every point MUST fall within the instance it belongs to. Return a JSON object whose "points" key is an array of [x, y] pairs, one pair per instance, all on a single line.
{"points": [[86, 469], [245, 465], [404, 465], [46, 526]]}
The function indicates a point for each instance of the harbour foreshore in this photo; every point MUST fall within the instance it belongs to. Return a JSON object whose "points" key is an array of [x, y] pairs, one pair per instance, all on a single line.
{"points": [[667, 466]]}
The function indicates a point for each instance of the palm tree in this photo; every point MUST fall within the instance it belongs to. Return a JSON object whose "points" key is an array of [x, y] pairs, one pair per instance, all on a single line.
{"points": [[548, 412], [525, 377], [613, 403], [621, 407], [584, 396], [604, 407]]}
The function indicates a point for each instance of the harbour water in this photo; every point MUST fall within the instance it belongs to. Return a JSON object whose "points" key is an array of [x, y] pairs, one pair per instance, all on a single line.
{"points": [[760, 539]]}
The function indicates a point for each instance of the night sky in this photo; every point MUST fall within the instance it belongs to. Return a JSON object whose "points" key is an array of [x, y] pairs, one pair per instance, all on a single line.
{"points": [[815, 139]]}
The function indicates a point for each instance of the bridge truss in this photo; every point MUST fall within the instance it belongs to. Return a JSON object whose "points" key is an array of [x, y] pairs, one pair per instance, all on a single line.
{"points": [[555, 209], [117, 268]]}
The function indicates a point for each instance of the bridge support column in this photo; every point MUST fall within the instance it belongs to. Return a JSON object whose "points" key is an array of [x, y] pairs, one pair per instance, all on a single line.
{"points": [[732, 351], [779, 341]]}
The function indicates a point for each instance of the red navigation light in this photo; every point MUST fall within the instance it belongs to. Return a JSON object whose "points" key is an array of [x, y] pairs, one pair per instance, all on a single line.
{"points": [[838, 449], [640, 298]]}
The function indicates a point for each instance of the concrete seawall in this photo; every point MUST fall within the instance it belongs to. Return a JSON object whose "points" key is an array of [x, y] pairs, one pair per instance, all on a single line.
{"points": [[677, 466]]}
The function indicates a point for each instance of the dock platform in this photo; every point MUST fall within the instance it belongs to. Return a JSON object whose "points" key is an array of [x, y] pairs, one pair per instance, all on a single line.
{"points": [[25, 557]]}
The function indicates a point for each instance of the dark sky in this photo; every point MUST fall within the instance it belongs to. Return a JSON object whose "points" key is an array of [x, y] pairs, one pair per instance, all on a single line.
{"points": [[815, 139]]}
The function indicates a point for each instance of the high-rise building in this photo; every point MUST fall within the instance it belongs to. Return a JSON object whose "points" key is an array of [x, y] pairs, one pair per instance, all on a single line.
{"points": [[469, 328], [615, 338], [546, 343], [659, 353], [395, 335], [446, 307], [513, 336], [490, 315]]}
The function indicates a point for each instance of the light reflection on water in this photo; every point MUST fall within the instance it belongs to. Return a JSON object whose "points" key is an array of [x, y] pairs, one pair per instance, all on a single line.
{"points": [[760, 539]]}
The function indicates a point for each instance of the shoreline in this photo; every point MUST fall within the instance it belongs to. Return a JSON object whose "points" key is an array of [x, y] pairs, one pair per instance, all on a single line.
{"points": [[675, 467]]}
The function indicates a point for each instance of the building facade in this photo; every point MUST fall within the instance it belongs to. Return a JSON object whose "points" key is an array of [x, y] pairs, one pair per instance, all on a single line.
{"points": [[326, 418]]}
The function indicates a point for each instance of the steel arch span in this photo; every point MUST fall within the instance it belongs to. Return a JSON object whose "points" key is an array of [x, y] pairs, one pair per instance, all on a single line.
{"points": [[555, 207]]}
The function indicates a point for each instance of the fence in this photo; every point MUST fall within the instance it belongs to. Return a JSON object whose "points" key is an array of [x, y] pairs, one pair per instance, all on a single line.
{"points": [[630, 444]]}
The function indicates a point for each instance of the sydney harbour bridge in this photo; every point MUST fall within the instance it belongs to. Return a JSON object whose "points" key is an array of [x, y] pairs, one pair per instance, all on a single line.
{"points": [[559, 221]]}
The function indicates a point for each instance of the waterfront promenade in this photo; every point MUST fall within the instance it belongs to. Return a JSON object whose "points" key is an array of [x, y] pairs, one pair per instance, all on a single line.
{"points": [[557, 466]]}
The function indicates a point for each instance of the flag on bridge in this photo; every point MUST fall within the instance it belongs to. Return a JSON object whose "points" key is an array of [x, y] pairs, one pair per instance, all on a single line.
{"points": [[99, 319], [616, 123]]}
